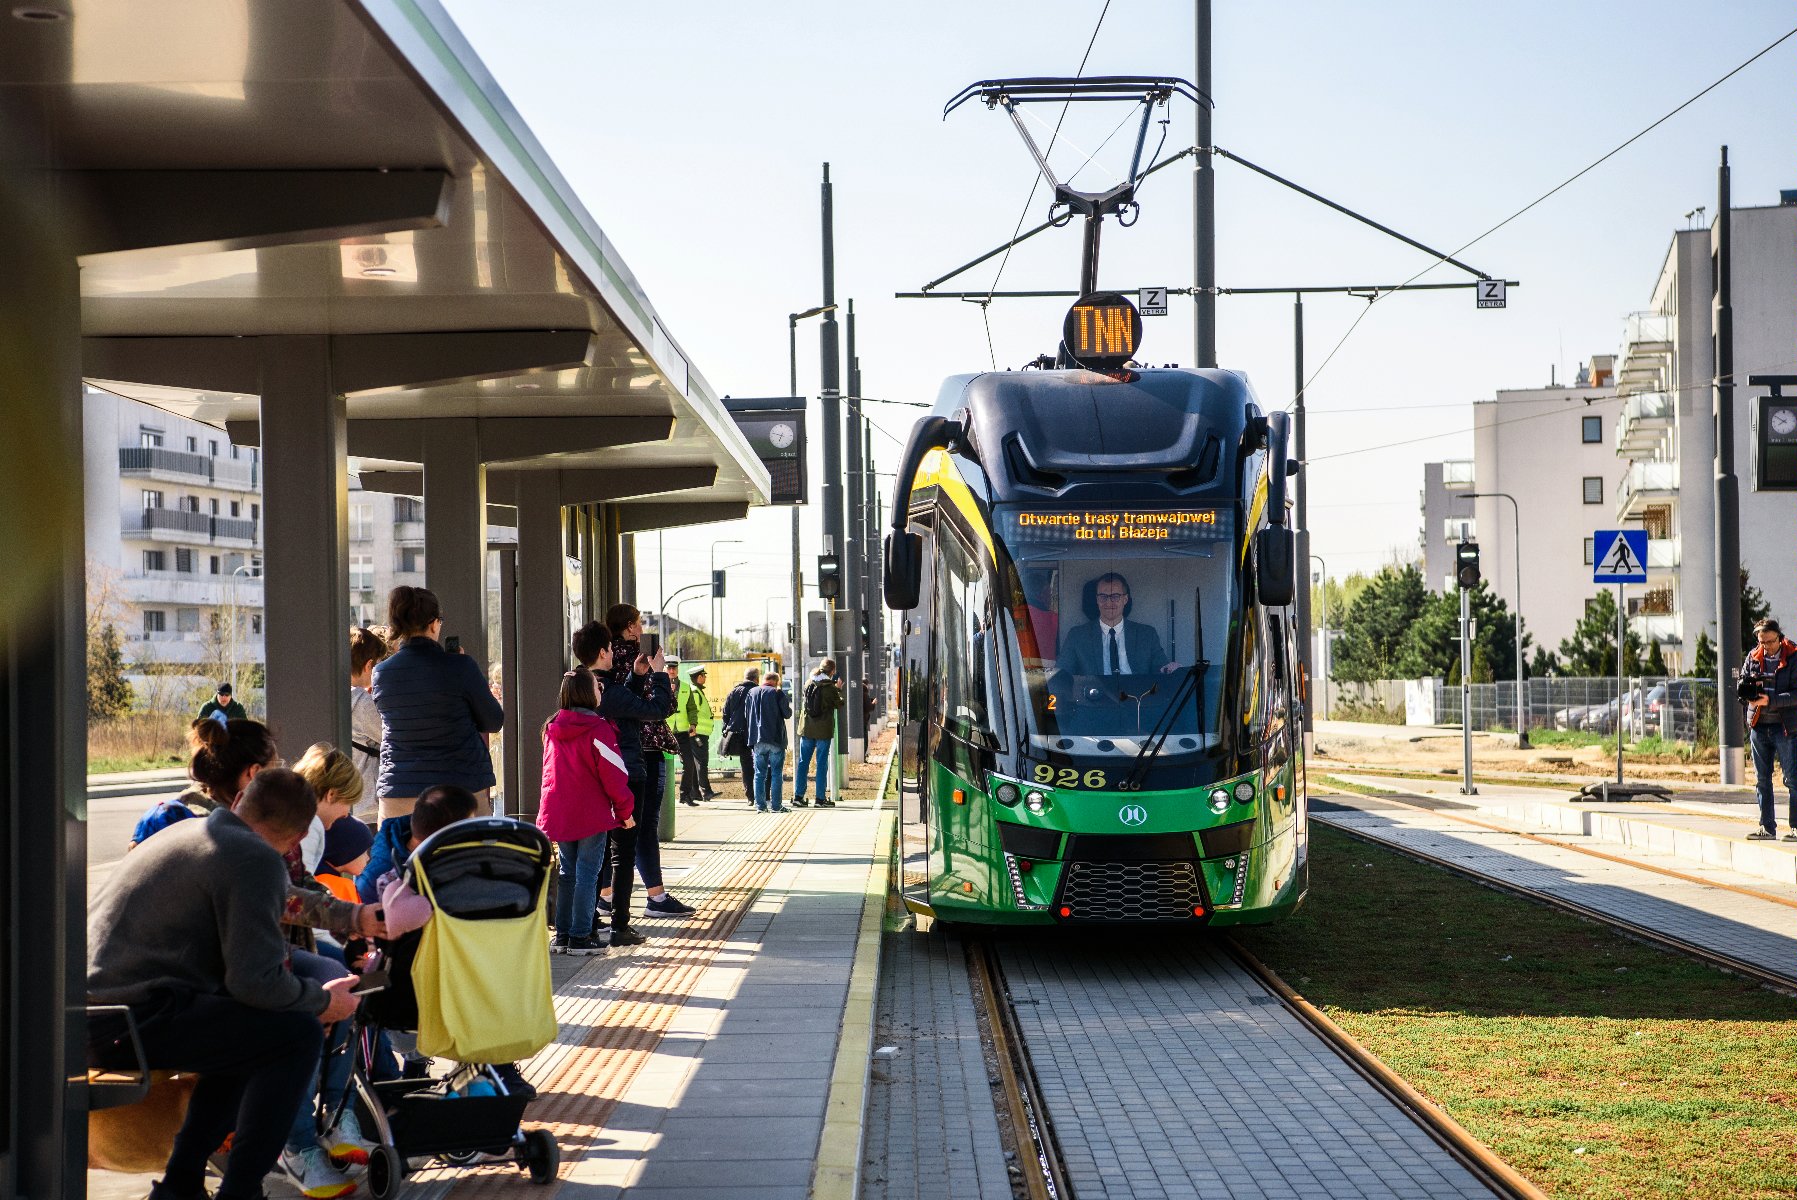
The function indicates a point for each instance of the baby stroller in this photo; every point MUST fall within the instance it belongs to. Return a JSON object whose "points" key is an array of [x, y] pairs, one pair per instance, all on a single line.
{"points": [[474, 983]]}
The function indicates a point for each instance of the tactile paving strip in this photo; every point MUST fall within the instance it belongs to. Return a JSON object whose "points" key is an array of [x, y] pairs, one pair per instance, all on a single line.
{"points": [[611, 1026]]}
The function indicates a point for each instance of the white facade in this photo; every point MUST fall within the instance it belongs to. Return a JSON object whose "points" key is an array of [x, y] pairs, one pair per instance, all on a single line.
{"points": [[1668, 425], [1447, 515], [1549, 448], [174, 534]]}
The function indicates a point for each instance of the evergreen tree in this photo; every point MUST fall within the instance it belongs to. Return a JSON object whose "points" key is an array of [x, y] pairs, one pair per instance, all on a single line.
{"points": [[1591, 650], [1545, 663], [1431, 644], [1703, 658], [1481, 663], [108, 691], [1656, 662], [1754, 609], [1375, 625]]}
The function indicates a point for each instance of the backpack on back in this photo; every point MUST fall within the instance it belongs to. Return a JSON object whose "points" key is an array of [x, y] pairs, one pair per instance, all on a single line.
{"points": [[814, 699]]}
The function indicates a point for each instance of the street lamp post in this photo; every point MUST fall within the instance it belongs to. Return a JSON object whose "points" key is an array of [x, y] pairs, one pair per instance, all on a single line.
{"points": [[717, 609], [1522, 708]]}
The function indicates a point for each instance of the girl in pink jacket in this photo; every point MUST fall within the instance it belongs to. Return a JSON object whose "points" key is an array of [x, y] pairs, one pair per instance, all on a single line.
{"points": [[586, 795]]}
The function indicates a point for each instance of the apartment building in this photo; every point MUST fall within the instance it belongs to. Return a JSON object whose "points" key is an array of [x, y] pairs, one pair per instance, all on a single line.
{"points": [[174, 534], [1447, 517], [1666, 430], [386, 549]]}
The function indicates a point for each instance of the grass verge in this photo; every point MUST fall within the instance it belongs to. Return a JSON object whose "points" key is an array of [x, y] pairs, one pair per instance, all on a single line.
{"points": [[1595, 1065]]}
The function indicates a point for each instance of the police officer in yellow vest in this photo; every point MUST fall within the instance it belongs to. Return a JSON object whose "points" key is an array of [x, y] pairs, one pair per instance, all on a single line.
{"points": [[692, 723]]}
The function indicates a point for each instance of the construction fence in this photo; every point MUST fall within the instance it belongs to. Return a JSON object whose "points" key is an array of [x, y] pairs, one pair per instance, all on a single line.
{"points": [[1678, 709]]}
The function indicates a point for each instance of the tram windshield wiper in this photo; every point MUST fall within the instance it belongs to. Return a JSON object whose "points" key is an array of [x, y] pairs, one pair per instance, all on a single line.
{"points": [[1192, 682]]}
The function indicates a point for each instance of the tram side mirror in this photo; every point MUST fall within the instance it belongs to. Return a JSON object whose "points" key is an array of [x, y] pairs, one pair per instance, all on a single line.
{"points": [[1276, 576], [904, 569]]}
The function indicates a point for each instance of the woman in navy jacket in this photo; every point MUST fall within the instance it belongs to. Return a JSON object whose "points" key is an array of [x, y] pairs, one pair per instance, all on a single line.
{"points": [[435, 706]]}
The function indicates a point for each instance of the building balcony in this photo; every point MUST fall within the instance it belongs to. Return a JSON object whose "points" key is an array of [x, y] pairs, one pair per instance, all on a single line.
{"points": [[1645, 483], [408, 533], [1646, 352], [1645, 426], [1662, 556], [180, 525], [1457, 474], [1664, 628], [176, 466], [190, 590], [1459, 529]]}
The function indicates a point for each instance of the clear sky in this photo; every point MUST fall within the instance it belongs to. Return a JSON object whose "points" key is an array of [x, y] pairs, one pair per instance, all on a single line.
{"points": [[695, 134]]}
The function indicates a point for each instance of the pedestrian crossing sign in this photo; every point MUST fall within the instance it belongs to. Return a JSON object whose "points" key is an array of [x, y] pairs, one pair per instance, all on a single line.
{"points": [[1619, 556]]}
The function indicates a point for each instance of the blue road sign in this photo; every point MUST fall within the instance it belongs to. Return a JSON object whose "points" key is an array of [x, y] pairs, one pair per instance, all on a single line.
{"points": [[1619, 556]]}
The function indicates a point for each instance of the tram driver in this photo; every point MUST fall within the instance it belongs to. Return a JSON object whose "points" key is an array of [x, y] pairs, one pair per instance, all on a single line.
{"points": [[1112, 644]]}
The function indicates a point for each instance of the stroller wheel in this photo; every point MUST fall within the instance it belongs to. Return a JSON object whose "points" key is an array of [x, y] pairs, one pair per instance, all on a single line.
{"points": [[384, 1172], [540, 1156], [460, 1158]]}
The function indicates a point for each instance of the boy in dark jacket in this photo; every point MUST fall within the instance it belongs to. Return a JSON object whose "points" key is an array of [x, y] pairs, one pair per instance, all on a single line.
{"points": [[769, 710], [736, 729], [817, 730]]}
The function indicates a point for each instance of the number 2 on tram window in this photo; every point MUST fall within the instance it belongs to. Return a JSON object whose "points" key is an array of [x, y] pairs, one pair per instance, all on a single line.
{"points": [[1051, 702]]}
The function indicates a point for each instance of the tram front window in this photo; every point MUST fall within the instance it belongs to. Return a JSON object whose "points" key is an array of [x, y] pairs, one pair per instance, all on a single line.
{"points": [[1115, 612]]}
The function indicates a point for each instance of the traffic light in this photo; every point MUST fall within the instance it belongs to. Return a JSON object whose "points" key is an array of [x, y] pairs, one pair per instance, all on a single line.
{"points": [[829, 576], [1466, 564], [717, 585]]}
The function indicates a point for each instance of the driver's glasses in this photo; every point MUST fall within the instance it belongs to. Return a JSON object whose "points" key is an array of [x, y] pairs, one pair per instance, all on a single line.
{"points": [[1112, 597]]}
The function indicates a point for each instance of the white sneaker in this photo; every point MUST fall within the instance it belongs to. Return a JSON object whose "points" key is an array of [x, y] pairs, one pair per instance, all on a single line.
{"points": [[312, 1172], [346, 1144]]}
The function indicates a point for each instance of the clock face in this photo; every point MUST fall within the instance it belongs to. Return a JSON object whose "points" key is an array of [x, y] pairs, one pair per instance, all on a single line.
{"points": [[781, 435], [1784, 421]]}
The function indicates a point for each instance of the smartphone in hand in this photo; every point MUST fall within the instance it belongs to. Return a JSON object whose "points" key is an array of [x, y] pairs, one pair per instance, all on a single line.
{"points": [[651, 645], [453, 644]]}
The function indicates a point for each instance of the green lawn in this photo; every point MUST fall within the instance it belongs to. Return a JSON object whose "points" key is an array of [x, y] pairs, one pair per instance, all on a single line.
{"points": [[1596, 1066], [106, 765]]}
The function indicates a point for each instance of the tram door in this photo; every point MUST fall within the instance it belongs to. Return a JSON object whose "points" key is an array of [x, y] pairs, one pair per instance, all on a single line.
{"points": [[916, 691]]}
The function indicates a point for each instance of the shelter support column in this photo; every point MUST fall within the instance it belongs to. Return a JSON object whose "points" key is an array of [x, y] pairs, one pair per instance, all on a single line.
{"points": [[542, 625], [305, 508], [455, 530], [43, 716]]}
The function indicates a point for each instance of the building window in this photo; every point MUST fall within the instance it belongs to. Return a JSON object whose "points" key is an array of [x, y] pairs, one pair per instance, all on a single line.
{"points": [[256, 624], [233, 451], [183, 559], [411, 560], [256, 567], [187, 620], [212, 446], [149, 439], [215, 564], [1591, 429], [193, 445], [154, 560], [152, 499], [189, 504], [155, 620], [1590, 550], [255, 512], [212, 505], [1594, 489], [408, 508], [236, 508], [361, 522], [361, 572]]}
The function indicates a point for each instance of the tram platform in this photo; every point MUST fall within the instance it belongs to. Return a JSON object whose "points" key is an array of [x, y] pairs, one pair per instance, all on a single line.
{"points": [[1691, 830], [728, 1057], [1740, 916]]}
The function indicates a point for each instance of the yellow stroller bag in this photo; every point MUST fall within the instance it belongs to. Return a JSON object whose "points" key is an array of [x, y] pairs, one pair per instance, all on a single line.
{"points": [[482, 968]]}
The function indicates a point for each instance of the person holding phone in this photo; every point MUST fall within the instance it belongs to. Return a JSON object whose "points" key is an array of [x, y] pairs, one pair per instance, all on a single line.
{"points": [[435, 705]]}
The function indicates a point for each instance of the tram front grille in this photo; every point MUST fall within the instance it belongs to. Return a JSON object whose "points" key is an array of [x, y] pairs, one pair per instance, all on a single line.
{"points": [[1132, 891]]}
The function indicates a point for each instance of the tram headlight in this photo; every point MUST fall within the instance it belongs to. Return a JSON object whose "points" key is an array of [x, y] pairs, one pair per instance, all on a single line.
{"points": [[1244, 791], [1007, 794], [1219, 801], [1036, 802]]}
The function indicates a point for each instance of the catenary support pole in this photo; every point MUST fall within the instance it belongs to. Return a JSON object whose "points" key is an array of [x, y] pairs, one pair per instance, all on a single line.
{"points": [[1204, 206], [1466, 695], [830, 377], [1730, 725], [854, 580]]}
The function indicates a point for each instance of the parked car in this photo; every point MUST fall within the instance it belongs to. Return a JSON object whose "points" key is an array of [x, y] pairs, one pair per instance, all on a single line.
{"points": [[1683, 697]]}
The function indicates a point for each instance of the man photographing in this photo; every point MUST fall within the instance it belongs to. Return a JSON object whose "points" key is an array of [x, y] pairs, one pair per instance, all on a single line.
{"points": [[1769, 689]]}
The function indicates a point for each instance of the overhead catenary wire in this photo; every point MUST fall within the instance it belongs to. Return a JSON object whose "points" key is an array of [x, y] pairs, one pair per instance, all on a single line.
{"points": [[1561, 186]]}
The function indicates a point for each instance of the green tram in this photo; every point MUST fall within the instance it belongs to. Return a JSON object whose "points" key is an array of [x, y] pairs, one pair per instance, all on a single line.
{"points": [[1098, 682]]}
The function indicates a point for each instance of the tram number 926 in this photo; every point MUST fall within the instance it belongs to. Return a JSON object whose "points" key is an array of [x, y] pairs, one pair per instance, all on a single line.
{"points": [[1067, 777]]}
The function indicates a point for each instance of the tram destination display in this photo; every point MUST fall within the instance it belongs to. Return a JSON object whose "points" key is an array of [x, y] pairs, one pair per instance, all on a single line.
{"points": [[1102, 331], [1085, 526]]}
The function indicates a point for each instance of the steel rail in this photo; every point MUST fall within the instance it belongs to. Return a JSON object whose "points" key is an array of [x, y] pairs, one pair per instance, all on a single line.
{"points": [[1708, 955], [1548, 839], [1449, 1134], [1027, 1112]]}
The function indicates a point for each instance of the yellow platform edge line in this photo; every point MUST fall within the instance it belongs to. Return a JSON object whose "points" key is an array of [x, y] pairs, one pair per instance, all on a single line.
{"points": [[837, 1174]]}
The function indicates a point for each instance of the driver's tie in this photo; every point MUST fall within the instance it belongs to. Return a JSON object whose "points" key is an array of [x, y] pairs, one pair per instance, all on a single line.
{"points": [[1116, 662]]}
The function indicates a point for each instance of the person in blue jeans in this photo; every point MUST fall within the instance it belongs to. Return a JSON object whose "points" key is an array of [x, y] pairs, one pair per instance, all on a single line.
{"points": [[769, 710], [1769, 688], [817, 728]]}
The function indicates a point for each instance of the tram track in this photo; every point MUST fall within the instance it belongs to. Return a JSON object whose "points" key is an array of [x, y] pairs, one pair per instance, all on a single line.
{"points": [[1780, 981], [1032, 1125]]}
